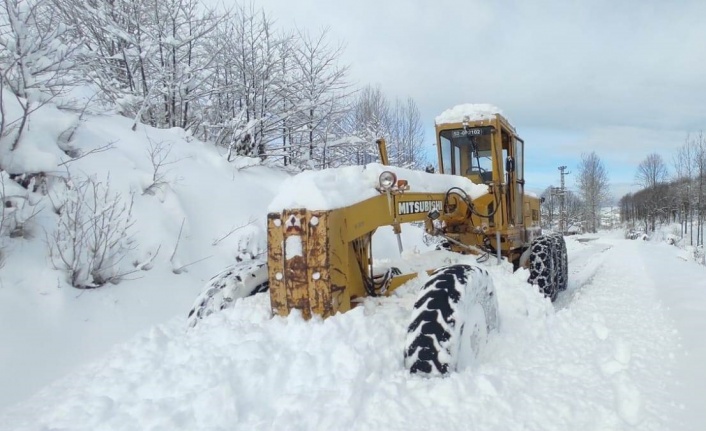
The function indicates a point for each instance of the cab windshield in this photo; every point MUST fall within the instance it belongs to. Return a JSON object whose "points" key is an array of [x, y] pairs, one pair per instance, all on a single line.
{"points": [[467, 152]]}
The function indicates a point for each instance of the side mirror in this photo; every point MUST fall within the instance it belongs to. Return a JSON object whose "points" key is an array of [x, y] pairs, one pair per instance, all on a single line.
{"points": [[430, 169], [510, 164], [434, 214]]}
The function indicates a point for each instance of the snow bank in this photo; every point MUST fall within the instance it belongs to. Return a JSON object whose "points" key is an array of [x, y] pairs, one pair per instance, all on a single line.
{"points": [[38, 150], [469, 111], [341, 187], [190, 226], [242, 369], [681, 286]]}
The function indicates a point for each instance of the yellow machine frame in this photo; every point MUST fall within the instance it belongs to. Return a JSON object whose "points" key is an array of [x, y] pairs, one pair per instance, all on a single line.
{"points": [[319, 262]]}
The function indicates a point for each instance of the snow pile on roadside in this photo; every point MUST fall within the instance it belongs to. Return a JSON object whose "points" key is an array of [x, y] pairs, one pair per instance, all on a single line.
{"points": [[672, 234], [681, 287]]}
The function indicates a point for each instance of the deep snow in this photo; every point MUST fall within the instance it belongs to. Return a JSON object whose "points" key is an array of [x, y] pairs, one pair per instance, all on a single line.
{"points": [[620, 349], [607, 355]]}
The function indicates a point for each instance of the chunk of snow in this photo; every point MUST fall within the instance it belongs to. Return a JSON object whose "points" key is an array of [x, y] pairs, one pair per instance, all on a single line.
{"points": [[341, 187], [293, 247], [470, 112]]}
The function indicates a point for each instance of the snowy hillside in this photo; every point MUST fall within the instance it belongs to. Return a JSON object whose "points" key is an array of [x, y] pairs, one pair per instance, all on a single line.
{"points": [[191, 216]]}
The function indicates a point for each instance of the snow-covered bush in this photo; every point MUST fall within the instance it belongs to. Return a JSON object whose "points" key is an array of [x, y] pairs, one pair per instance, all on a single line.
{"points": [[632, 234], [93, 235], [696, 253], [19, 206], [159, 158]]}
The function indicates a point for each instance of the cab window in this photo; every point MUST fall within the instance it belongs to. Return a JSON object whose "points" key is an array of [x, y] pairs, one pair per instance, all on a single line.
{"points": [[467, 152]]}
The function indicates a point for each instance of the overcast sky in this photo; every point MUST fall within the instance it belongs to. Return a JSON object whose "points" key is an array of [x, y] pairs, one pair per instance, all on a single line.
{"points": [[623, 78]]}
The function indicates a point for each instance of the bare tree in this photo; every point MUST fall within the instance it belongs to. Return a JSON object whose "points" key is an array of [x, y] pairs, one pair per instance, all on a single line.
{"points": [[593, 188], [113, 52], [679, 199], [251, 83], [573, 206], [407, 135], [651, 174], [35, 61], [651, 171], [159, 153], [148, 58], [627, 210], [370, 118], [182, 64], [550, 207], [699, 167], [320, 82], [684, 168], [232, 78]]}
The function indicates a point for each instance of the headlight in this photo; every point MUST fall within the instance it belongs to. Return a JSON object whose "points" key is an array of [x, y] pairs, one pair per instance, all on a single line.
{"points": [[387, 180]]}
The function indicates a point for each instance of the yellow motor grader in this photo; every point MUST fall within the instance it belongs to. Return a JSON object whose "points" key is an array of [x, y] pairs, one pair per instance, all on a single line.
{"points": [[319, 259]]}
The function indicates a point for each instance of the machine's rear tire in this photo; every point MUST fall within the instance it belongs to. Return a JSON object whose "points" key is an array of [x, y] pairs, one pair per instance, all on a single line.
{"points": [[561, 261], [240, 280], [542, 266], [452, 317]]}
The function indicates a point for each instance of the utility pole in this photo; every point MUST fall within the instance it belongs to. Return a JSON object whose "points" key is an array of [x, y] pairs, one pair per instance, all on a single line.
{"points": [[554, 193], [562, 194]]}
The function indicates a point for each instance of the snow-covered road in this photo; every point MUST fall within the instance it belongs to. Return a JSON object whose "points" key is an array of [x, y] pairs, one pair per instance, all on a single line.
{"points": [[618, 350]]}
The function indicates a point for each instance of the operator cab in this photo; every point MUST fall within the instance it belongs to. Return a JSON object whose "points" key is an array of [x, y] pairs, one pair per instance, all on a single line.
{"points": [[476, 141]]}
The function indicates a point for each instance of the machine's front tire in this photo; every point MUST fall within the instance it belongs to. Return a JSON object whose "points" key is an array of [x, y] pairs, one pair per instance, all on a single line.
{"points": [[474, 335], [452, 317], [240, 280]]}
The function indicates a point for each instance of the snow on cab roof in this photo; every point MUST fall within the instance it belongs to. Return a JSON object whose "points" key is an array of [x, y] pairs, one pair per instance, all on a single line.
{"points": [[474, 112], [334, 188]]}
